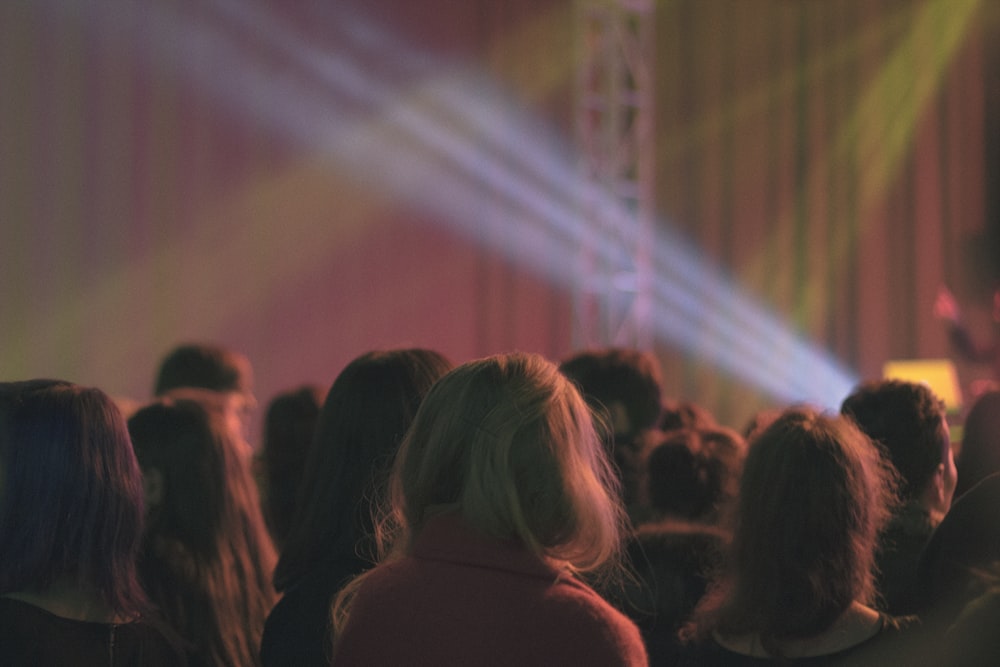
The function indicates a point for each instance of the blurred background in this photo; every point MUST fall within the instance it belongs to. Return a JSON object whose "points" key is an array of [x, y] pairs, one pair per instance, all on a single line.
{"points": [[768, 194]]}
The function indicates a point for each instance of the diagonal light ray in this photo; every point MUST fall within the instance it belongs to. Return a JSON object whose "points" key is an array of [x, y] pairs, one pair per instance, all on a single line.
{"points": [[442, 136]]}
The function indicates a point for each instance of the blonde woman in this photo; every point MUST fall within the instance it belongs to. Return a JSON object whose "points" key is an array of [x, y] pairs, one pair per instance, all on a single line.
{"points": [[500, 496]]}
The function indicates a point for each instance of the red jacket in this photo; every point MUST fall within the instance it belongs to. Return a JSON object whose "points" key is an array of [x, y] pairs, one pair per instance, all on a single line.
{"points": [[462, 598]]}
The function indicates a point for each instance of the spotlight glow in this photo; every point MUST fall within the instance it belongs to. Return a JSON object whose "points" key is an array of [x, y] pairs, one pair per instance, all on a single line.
{"points": [[448, 138]]}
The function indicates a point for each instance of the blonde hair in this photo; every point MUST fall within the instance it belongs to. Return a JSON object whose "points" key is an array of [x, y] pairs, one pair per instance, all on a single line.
{"points": [[508, 443]]}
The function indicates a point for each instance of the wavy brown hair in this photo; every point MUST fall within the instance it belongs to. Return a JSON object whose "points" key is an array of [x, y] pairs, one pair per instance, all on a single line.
{"points": [[207, 558], [814, 494]]}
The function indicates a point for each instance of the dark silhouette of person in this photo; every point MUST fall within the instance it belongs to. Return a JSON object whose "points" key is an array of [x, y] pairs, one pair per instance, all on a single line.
{"points": [[214, 367], [289, 429], [624, 387], [692, 477], [331, 537], [71, 511], [908, 421]]}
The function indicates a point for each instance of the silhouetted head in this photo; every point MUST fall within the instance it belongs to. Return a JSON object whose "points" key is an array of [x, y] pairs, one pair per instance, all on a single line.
{"points": [[908, 421], [361, 425], [214, 368], [693, 473], [204, 366], [71, 503], [196, 469], [625, 383], [289, 429], [677, 414]]}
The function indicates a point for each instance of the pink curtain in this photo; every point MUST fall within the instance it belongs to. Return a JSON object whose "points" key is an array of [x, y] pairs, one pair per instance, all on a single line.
{"points": [[829, 158]]}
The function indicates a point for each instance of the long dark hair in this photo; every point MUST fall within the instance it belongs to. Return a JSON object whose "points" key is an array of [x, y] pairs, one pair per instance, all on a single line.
{"points": [[814, 494], [207, 558], [289, 428], [71, 502], [361, 424]]}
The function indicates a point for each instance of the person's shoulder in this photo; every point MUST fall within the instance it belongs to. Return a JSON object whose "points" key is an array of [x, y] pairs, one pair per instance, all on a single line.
{"points": [[389, 584], [594, 618], [393, 573]]}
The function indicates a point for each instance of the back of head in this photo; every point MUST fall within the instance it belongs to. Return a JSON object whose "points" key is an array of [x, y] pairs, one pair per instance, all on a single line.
{"points": [[693, 473], [360, 427], [759, 421], [623, 386], [677, 414], [627, 377], [70, 493], [508, 443], [289, 429], [980, 453], [813, 496], [204, 366], [207, 558], [186, 439], [907, 419]]}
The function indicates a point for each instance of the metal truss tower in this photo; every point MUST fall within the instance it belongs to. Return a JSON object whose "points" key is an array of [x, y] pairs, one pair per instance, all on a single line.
{"points": [[614, 131]]}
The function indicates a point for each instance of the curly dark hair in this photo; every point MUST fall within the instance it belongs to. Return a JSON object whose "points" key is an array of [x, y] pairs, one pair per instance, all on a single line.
{"points": [[907, 420]]}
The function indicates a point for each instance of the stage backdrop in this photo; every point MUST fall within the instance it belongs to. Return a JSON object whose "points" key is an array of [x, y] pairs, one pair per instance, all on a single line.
{"points": [[305, 181]]}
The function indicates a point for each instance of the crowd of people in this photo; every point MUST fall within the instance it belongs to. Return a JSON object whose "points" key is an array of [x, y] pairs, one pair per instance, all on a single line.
{"points": [[511, 510]]}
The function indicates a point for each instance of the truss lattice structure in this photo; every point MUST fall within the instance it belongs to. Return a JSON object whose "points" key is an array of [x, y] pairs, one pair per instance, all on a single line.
{"points": [[614, 129]]}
